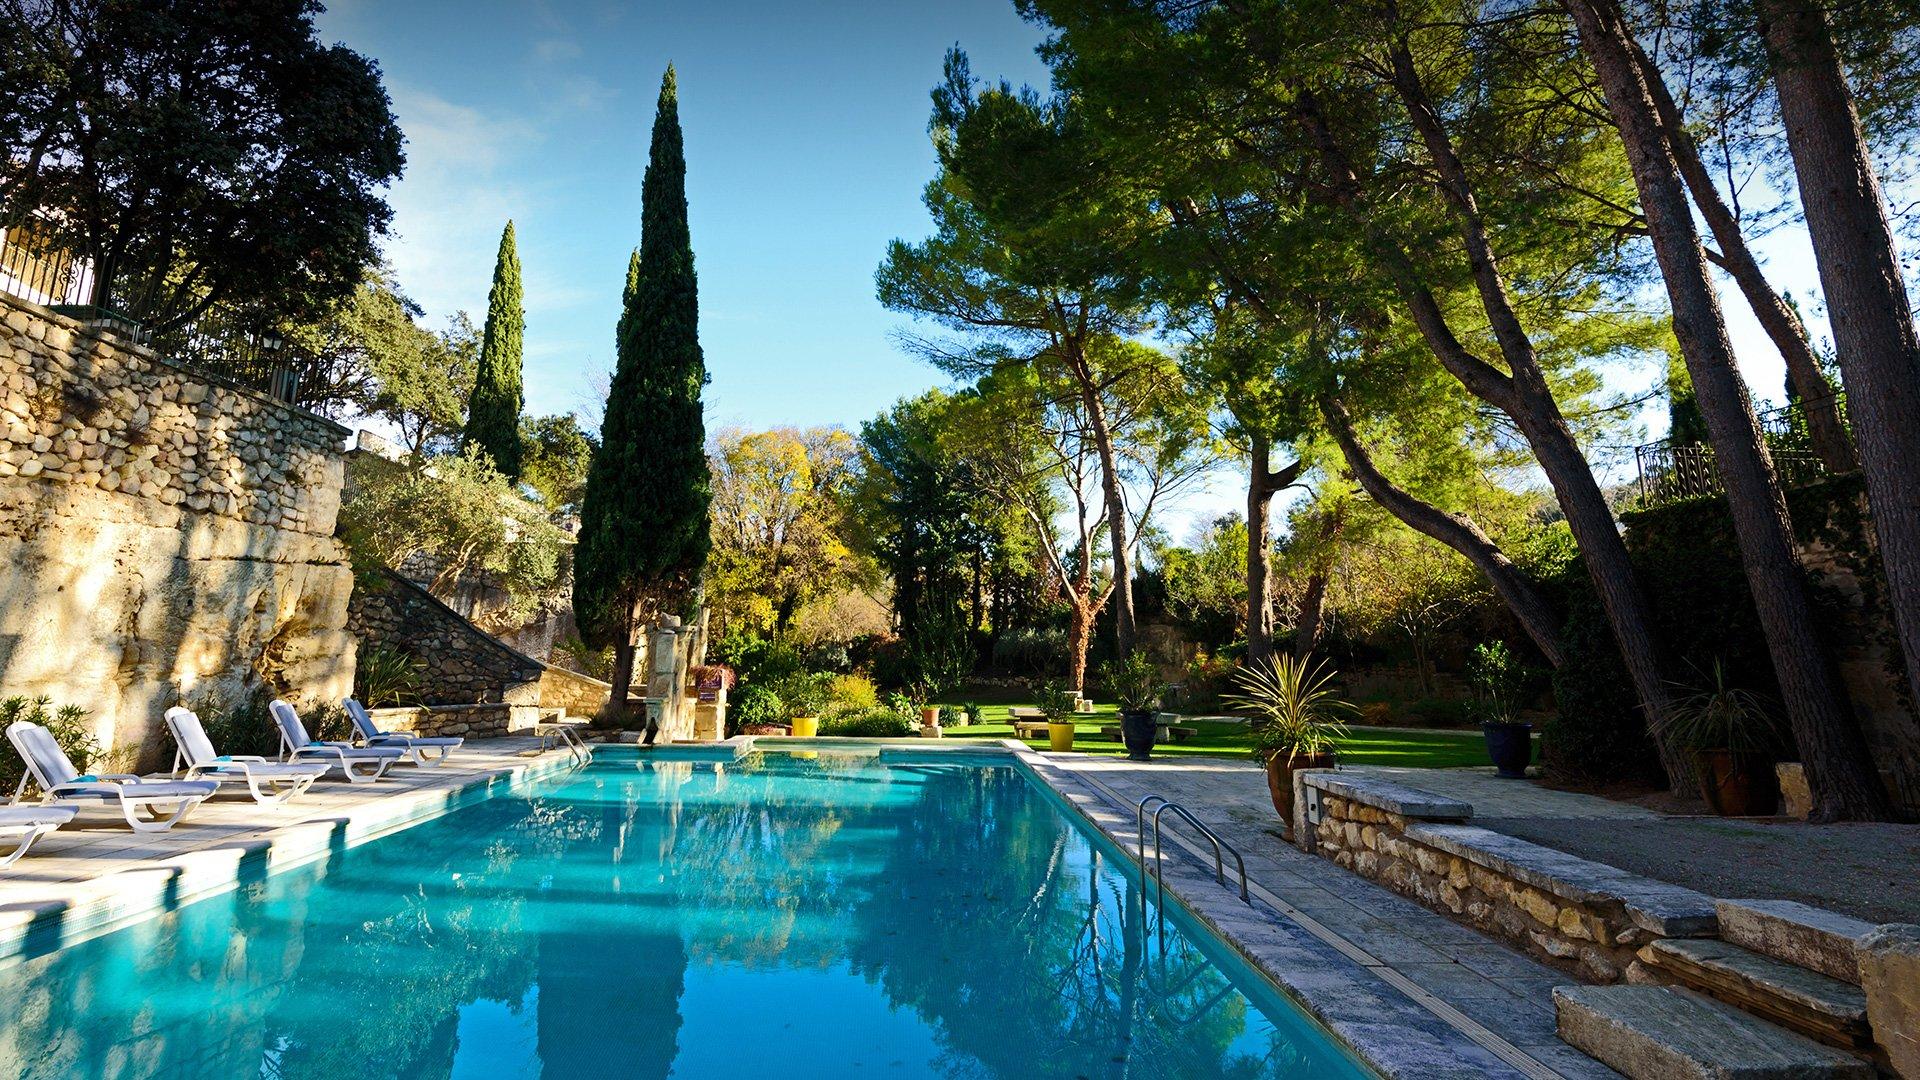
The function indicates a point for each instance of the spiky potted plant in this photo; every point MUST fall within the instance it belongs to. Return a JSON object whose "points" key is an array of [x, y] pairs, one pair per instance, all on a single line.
{"points": [[1056, 703], [1735, 735], [1136, 685], [1497, 679], [1295, 719]]}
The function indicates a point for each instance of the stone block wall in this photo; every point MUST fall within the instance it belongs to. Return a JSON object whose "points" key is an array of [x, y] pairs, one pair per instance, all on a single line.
{"points": [[460, 664], [164, 536], [576, 693], [479, 721]]}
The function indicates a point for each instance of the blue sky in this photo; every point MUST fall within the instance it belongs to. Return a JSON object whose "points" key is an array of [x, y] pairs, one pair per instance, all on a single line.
{"points": [[806, 153]]}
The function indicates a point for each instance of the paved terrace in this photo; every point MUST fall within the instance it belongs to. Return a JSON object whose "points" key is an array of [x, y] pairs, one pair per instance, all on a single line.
{"points": [[96, 874], [1496, 996]]}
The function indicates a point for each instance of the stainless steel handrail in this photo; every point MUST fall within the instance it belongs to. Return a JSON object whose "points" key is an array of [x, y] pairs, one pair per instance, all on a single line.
{"points": [[576, 746], [1162, 805]]}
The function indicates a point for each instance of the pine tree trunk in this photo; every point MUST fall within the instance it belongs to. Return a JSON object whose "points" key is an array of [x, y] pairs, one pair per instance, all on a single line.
{"points": [[1457, 531], [1079, 639], [1262, 484], [1307, 628], [1789, 335], [1831, 747], [1866, 295], [1524, 396], [1123, 628]]}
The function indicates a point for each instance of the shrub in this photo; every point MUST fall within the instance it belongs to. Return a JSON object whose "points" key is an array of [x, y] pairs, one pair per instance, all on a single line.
{"points": [[247, 726], [386, 676], [756, 705], [876, 723], [805, 693], [757, 659], [829, 656], [852, 693], [1134, 682], [1031, 650], [1208, 677], [585, 659], [67, 724]]}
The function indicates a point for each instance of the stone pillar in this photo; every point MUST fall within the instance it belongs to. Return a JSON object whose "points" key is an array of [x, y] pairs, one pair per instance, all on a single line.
{"points": [[1890, 974]]}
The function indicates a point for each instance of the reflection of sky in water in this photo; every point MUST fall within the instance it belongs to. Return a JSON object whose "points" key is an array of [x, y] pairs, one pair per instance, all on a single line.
{"points": [[823, 917]]}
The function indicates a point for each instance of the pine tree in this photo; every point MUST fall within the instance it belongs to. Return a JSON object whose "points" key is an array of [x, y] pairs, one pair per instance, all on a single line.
{"points": [[493, 412], [643, 527]]}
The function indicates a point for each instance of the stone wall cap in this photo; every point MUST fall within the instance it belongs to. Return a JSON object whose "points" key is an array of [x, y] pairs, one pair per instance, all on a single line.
{"points": [[1655, 906], [1409, 802]]}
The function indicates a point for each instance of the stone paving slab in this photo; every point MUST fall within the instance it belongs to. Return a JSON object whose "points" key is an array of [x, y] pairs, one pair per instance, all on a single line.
{"points": [[1480, 980], [96, 874], [1651, 1032], [1493, 796]]}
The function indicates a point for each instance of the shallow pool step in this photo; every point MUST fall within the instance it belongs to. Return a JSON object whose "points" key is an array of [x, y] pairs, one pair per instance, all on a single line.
{"points": [[1815, 1005], [1796, 933], [1667, 1033]]}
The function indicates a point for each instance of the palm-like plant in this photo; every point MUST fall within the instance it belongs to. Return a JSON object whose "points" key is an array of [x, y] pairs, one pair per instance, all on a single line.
{"points": [[1294, 711], [1715, 716]]}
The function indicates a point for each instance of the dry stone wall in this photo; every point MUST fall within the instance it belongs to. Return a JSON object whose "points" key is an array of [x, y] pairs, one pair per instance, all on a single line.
{"points": [[459, 663], [164, 537]]}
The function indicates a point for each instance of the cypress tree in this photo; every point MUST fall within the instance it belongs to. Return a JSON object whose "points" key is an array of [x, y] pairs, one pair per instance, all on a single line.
{"points": [[643, 523], [493, 412]]}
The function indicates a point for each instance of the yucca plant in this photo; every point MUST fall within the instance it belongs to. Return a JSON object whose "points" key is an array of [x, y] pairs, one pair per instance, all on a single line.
{"points": [[1293, 709], [387, 676], [1711, 715]]}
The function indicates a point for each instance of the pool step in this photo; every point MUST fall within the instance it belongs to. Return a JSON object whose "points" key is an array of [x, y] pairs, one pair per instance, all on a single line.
{"points": [[1798, 999], [1807, 937], [1667, 1033]]}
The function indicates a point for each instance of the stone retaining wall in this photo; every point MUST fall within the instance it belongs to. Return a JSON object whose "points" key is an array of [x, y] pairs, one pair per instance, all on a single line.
{"points": [[460, 664], [482, 721], [576, 693], [164, 537], [1580, 916]]}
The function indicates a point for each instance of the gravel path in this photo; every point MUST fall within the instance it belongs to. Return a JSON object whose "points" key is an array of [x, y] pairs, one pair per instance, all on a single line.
{"points": [[1871, 872]]}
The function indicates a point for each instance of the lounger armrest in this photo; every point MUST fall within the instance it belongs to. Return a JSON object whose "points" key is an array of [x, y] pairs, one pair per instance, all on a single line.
{"points": [[391, 736], [321, 749], [119, 777]]}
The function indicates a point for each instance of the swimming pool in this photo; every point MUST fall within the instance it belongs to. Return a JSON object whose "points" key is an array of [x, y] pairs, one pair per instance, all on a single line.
{"points": [[832, 915]]}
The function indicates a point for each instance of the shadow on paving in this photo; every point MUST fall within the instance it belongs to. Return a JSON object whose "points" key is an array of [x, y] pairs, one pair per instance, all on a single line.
{"points": [[1866, 871]]}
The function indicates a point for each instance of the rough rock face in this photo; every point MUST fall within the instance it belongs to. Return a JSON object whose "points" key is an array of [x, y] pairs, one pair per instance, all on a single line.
{"points": [[163, 537]]}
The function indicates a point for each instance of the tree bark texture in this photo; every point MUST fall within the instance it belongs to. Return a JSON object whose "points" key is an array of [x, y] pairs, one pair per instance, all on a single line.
{"points": [[1263, 482], [1825, 430], [1122, 599], [1832, 749], [1528, 400], [1866, 294]]}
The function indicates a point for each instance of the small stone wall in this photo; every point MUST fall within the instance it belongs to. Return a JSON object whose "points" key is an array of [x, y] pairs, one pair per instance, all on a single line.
{"points": [[460, 664], [573, 692], [485, 721], [164, 537], [1580, 916]]}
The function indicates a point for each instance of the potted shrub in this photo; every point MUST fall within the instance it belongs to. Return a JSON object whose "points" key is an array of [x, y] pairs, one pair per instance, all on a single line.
{"points": [[1136, 685], [1734, 736], [1497, 680], [805, 696], [1295, 720], [1056, 702]]}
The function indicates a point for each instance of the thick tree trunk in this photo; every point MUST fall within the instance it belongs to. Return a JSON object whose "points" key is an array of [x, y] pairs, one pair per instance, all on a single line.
{"points": [[1079, 637], [1525, 397], [1457, 531], [1831, 747], [1313, 601], [1789, 335], [621, 677], [1262, 484], [1866, 294]]}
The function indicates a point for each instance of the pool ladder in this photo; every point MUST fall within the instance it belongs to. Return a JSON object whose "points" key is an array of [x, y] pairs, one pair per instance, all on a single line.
{"points": [[1161, 804], [558, 735]]}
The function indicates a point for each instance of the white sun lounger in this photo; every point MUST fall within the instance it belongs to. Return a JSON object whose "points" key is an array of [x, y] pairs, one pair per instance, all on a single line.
{"points": [[25, 824], [352, 761], [417, 746], [271, 782], [49, 767]]}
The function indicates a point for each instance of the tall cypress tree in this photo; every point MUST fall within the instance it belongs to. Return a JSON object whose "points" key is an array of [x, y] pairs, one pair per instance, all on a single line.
{"points": [[493, 412], [643, 524]]}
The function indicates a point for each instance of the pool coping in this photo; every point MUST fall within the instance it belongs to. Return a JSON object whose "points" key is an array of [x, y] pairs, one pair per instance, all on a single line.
{"points": [[76, 910], [1393, 1032]]}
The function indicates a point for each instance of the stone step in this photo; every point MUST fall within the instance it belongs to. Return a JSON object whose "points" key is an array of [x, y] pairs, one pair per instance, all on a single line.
{"points": [[1667, 1033], [1809, 937], [1815, 1005]]}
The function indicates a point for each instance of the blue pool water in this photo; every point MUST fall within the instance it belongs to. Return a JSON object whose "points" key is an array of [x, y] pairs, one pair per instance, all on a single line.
{"points": [[782, 916]]}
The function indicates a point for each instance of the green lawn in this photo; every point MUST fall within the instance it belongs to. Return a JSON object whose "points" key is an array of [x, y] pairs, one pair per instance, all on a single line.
{"points": [[1363, 746]]}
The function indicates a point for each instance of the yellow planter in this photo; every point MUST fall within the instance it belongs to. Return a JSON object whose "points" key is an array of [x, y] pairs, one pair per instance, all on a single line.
{"points": [[805, 727], [1060, 736]]}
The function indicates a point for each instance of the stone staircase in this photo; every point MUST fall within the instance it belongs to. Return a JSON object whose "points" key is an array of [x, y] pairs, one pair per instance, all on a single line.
{"points": [[1777, 994]]}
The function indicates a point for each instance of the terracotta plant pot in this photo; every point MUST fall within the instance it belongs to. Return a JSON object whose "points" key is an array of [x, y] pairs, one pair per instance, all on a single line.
{"points": [[1138, 731], [1737, 785], [1280, 770], [930, 715]]}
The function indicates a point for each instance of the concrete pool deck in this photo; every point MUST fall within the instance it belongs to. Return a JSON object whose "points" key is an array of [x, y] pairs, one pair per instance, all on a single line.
{"points": [[96, 874]]}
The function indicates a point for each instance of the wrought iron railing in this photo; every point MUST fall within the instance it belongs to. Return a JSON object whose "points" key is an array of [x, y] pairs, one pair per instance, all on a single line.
{"points": [[1669, 472], [216, 344]]}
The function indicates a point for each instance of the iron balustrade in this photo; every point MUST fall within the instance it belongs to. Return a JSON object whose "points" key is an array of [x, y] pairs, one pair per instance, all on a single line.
{"points": [[1670, 473]]}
